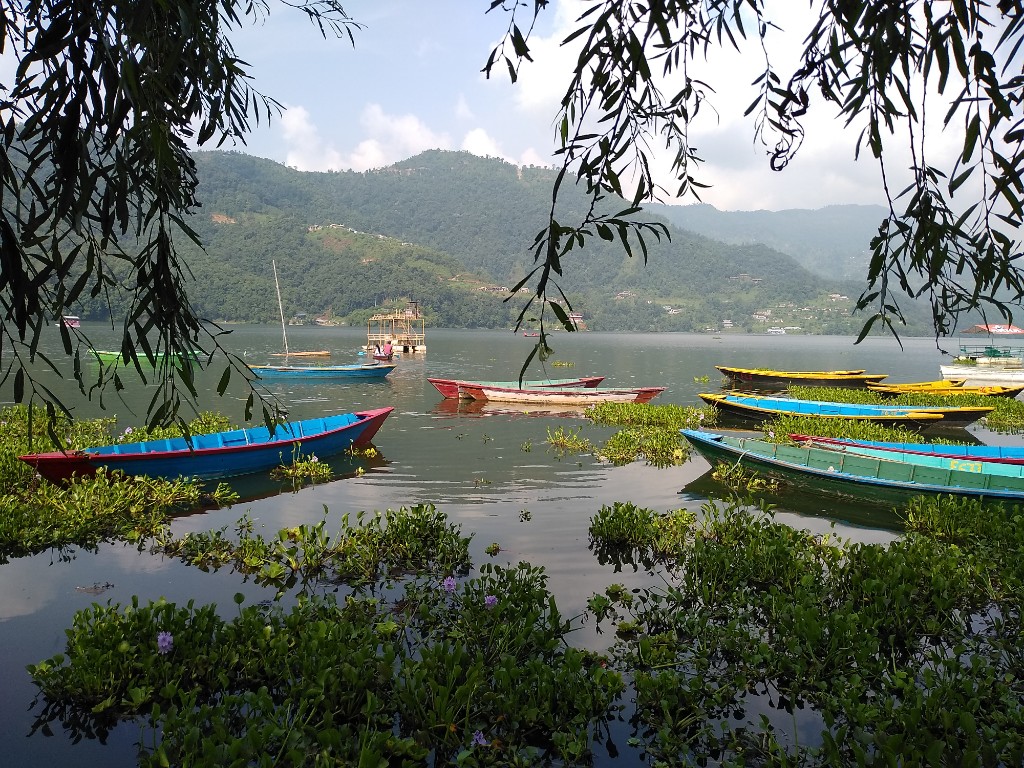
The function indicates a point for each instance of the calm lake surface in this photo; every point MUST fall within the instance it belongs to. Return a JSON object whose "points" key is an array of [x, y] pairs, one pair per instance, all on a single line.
{"points": [[474, 466]]}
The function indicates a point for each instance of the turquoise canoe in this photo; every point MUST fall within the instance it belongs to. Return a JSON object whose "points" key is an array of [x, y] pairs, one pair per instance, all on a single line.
{"points": [[849, 474], [1001, 454]]}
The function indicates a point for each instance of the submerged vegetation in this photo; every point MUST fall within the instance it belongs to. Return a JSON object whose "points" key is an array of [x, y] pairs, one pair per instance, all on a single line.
{"points": [[769, 645], [383, 645]]}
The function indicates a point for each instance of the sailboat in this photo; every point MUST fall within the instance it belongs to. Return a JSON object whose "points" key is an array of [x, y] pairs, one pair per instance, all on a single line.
{"points": [[280, 308], [314, 372]]}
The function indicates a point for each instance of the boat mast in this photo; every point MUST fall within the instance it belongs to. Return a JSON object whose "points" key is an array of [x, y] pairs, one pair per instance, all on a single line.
{"points": [[280, 307]]}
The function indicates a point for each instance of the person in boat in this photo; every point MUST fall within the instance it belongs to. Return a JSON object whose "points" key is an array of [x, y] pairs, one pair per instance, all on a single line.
{"points": [[388, 349], [377, 349]]}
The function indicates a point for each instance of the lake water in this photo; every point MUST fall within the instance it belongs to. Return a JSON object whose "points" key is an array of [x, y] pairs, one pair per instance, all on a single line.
{"points": [[474, 466]]}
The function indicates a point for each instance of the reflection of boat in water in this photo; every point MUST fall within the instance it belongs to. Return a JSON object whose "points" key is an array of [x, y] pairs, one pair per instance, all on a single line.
{"points": [[344, 466], [859, 512], [454, 407], [450, 387]]}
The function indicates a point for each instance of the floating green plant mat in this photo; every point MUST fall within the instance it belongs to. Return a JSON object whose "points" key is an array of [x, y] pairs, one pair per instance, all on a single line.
{"points": [[769, 645], [649, 431], [467, 672]]}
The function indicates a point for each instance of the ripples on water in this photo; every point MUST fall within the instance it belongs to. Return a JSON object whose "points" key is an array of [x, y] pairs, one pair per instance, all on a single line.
{"points": [[469, 461]]}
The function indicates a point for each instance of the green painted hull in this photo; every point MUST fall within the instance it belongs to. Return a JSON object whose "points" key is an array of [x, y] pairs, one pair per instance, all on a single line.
{"points": [[862, 477]]}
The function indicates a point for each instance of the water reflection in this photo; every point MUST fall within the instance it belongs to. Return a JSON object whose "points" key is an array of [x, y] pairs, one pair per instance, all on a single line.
{"points": [[483, 465]]}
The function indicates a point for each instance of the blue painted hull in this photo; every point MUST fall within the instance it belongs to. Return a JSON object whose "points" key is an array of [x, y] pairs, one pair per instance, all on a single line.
{"points": [[218, 455], [323, 372], [760, 408]]}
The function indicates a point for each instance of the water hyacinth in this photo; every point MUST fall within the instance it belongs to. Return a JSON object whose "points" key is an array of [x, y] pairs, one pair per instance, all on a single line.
{"points": [[479, 740], [164, 643], [449, 584], [490, 601]]}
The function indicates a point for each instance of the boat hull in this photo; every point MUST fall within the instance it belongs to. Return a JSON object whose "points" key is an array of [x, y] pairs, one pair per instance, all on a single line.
{"points": [[757, 409], [323, 372], [862, 477], [218, 455], [987, 453], [449, 388], [553, 396], [991, 390], [771, 379], [984, 375]]}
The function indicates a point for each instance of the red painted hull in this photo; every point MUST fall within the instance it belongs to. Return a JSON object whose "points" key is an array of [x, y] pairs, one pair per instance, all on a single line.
{"points": [[450, 387], [222, 454]]}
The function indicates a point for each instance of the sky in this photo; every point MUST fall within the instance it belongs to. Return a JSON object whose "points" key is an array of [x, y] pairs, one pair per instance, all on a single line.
{"points": [[412, 82]]}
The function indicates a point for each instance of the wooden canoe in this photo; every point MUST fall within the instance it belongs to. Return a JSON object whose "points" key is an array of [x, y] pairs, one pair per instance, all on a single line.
{"points": [[848, 474], [450, 387], [1003, 454], [760, 408], [581, 396], [994, 390], [323, 372], [773, 379], [220, 454]]}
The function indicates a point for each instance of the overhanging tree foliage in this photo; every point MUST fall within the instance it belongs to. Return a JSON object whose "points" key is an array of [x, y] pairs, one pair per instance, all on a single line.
{"points": [[96, 177], [884, 64]]}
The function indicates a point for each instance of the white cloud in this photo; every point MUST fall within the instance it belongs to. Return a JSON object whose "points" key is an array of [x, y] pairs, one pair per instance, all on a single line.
{"points": [[305, 149], [395, 137], [481, 144], [462, 109]]}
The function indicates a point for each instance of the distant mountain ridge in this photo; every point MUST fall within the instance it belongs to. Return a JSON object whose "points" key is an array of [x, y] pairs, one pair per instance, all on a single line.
{"points": [[450, 230], [832, 242]]}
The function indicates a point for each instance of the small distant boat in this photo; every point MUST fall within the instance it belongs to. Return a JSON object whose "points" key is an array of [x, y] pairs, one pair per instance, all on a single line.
{"points": [[307, 353], [323, 372], [1002, 454], [770, 378], [217, 455], [531, 333], [759, 408], [284, 333], [582, 396], [850, 474], [71, 321], [450, 387], [109, 357], [382, 357]]}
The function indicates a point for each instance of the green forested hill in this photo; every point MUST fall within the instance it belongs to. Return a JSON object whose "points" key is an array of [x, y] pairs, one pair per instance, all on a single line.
{"points": [[442, 227]]}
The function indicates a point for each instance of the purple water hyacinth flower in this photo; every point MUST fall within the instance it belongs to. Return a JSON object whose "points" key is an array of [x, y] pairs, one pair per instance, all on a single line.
{"points": [[479, 740], [314, 459], [164, 642], [449, 584], [490, 601]]}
